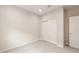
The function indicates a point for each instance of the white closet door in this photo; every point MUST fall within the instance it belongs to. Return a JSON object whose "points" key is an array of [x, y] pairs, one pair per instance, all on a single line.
{"points": [[44, 29], [74, 32], [52, 31], [49, 30]]}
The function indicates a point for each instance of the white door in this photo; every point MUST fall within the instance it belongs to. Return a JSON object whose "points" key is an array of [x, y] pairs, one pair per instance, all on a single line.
{"points": [[49, 30], [74, 32], [44, 29], [52, 31]]}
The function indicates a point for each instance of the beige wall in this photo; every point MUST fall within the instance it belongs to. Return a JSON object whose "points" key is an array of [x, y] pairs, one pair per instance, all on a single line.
{"points": [[68, 13], [18, 27], [58, 36]]}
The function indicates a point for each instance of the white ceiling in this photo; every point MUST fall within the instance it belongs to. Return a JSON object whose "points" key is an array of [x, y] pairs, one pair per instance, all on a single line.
{"points": [[45, 8], [34, 8]]}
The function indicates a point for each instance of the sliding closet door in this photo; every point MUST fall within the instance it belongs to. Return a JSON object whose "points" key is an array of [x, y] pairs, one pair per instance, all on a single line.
{"points": [[49, 30], [52, 31], [44, 30], [74, 32]]}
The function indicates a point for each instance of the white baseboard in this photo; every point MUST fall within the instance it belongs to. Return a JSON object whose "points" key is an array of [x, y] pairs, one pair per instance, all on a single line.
{"points": [[51, 42], [58, 45], [17, 46]]}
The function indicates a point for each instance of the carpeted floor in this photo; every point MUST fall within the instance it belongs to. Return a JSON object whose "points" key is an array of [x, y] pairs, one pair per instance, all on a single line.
{"points": [[42, 46]]}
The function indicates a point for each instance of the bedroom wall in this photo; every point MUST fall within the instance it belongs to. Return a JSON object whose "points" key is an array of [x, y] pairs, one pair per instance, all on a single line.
{"points": [[18, 27]]}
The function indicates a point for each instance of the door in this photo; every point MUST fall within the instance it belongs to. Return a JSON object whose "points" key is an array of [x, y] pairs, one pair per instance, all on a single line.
{"points": [[44, 29], [74, 32], [49, 30], [52, 31]]}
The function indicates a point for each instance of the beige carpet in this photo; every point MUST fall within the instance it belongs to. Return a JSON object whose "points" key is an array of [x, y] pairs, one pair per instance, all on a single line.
{"points": [[42, 46]]}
